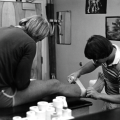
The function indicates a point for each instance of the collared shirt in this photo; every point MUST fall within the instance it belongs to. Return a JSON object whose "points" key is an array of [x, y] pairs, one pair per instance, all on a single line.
{"points": [[112, 74], [117, 56]]}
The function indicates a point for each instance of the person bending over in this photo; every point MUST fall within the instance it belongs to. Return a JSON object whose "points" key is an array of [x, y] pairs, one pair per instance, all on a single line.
{"points": [[107, 55], [17, 51]]}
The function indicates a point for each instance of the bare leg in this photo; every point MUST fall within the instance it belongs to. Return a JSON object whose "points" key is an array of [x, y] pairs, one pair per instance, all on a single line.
{"points": [[39, 89]]}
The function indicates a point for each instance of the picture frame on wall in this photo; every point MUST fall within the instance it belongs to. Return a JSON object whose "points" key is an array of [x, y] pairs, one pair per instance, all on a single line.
{"points": [[113, 28], [96, 6]]}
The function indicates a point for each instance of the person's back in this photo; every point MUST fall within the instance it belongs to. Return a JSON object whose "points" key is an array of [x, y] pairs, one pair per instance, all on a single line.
{"points": [[14, 43]]}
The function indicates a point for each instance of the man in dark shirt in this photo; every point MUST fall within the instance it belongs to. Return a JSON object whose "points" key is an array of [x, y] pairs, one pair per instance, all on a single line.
{"points": [[17, 51]]}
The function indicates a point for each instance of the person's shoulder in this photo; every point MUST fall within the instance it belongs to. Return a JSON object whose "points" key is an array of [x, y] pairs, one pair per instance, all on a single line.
{"points": [[22, 34], [21, 37], [95, 63], [12, 30]]}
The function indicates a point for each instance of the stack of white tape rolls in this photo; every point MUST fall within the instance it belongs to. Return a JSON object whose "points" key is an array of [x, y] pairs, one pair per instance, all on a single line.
{"points": [[56, 110]]}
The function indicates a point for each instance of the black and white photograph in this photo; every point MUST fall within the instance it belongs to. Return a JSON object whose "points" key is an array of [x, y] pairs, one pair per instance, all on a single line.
{"points": [[96, 6], [59, 59], [113, 28]]}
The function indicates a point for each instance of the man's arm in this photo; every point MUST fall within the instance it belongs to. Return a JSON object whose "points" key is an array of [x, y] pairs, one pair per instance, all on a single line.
{"points": [[99, 85], [23, 71], [87, 68], [110, 98], [94, 92]]}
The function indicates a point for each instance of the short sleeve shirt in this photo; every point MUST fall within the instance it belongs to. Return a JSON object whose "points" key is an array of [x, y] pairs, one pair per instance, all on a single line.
{"points": [[112, 74]]}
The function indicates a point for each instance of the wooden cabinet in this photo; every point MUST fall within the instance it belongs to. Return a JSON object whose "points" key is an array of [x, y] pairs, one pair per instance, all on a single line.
{"points": [[10, 14]]}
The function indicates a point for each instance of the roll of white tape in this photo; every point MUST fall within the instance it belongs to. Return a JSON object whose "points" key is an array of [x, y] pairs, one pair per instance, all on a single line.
{"points": [[41, 115], [67, 113], [43, 105], [34, 108], [71, 79], [17, 118], [59, 110], [57, 103], [49, 112], [63, 98], [30, 115], [50, 104], [55, 116]]}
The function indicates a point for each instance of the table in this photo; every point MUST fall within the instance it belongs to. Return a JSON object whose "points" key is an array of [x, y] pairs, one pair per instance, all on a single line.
{"points": [[78, 106], [113, 114]]}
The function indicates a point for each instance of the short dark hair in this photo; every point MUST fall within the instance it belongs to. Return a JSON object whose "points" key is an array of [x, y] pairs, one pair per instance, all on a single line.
{"points": [[98, 47]]}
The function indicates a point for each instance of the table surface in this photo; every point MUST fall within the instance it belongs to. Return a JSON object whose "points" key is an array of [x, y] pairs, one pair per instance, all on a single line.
{"points": [[104, 115], [8, 113]]}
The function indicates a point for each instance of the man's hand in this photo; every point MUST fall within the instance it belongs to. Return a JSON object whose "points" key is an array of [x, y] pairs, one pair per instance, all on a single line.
{"points": [[73, 77], [92, 93]]}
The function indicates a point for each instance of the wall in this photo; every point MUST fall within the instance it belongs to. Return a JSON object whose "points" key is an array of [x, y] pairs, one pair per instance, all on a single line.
{"points": [[83, 26]]}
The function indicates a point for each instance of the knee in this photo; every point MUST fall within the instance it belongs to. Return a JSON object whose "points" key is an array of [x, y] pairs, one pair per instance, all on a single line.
{"points": [[54, 84]]}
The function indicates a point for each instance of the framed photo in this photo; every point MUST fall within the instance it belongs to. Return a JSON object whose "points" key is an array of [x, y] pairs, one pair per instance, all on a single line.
{"points": [[96, 6], [113, 28]]}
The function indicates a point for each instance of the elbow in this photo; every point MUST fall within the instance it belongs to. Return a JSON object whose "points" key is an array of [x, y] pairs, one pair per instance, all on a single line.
{"points": [[22, 87]]}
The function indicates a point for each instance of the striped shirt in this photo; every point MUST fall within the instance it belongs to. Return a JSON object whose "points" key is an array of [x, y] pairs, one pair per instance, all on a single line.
{"points": [[112, 74]]}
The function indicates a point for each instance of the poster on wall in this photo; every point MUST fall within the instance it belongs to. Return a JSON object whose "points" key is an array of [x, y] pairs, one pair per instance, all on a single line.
{"points": [[96, 6], [113, 28]]}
